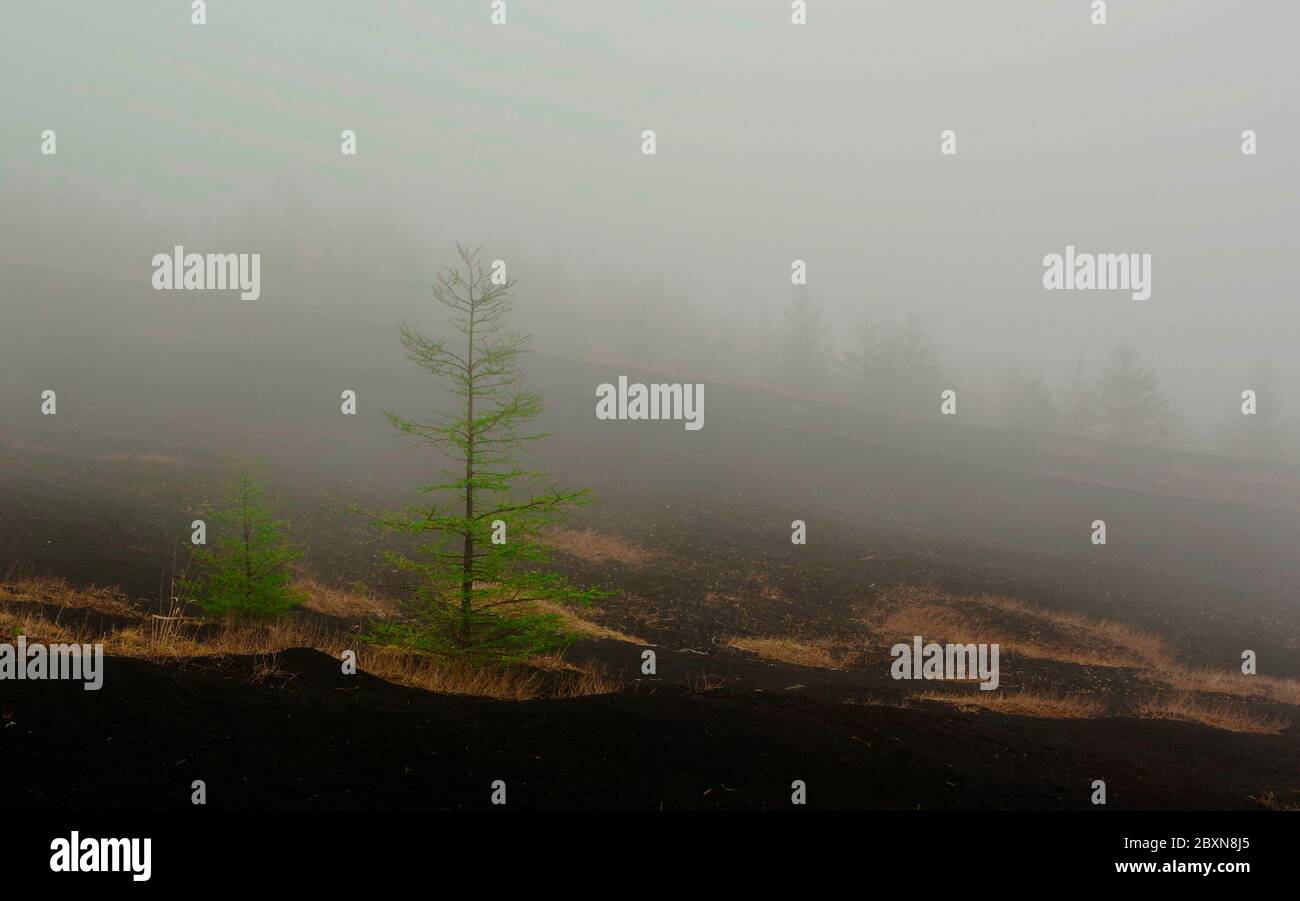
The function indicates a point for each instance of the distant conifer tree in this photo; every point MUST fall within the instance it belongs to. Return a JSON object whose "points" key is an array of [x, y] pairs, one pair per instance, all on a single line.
{"points": [[860, 363], [1128, 398], [1078, 400], [805, 346]]}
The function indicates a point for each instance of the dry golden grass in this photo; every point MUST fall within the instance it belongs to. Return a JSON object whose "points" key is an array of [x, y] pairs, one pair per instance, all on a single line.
{"points": [[516, 684], [816, 652], [1020, 703], [1103, 642], [1269, 688], [342, 602], [1189, 708], [161, 637], [934, 621], [1074, 638], [165, 639], [703, 682], [148, 458], [520, 684], [1270, 801], [572, 618], [923, 611], [766, 591], [172, 637], [505, 685], [54, 590], [1158, 661], [875, 702], [38, 629], [598, 547], [267, 667]]}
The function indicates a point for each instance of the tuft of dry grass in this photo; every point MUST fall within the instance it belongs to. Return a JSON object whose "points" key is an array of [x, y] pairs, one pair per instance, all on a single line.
{"points": [[267, 668], [764, 591], [1020, 703], [570, 616], [595, 679], [512, 684], [1063, 638], [934, 621], [417, 671], [146, 458], [1189, 708], [343, 602], [58, 591], [1270, 801], [815, 652], [1231, 682], [599, 547], [703, 683], [870, 701], [1102, 642], [39, 629]]}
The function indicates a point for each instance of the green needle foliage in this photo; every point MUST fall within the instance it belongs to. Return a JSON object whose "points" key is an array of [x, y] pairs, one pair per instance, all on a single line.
{"points": [[481, 585], [246, 572]]}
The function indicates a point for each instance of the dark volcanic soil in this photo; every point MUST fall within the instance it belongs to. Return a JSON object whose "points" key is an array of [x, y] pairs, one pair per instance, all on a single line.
{"points": [[311, 737]]}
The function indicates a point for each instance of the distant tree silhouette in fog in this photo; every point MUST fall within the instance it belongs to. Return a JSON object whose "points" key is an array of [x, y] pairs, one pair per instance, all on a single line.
{"points": [[860, 363], [1263, 435], [908, 369], [1078, 406], [804, 346], [1029, 401]]}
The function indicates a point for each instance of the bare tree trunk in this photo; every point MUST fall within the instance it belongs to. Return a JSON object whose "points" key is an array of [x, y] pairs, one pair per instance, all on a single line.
{"points": [[248, 545], [467, 561]]}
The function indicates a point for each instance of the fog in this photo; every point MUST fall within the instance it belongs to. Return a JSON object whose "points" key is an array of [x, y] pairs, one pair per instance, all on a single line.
{"points": [[775, 142]]}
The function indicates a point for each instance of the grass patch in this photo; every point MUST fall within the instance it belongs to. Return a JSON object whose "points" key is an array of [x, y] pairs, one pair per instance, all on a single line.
{"points": [[1020, 703], [598, 547], [569, 615], [173, 637], [814, 652], [60, 592], [1189, 708], [357, 602], [1063, 637]]}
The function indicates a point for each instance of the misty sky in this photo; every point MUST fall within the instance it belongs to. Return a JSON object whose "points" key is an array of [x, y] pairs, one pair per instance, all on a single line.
{"points": [[775, 142]]}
